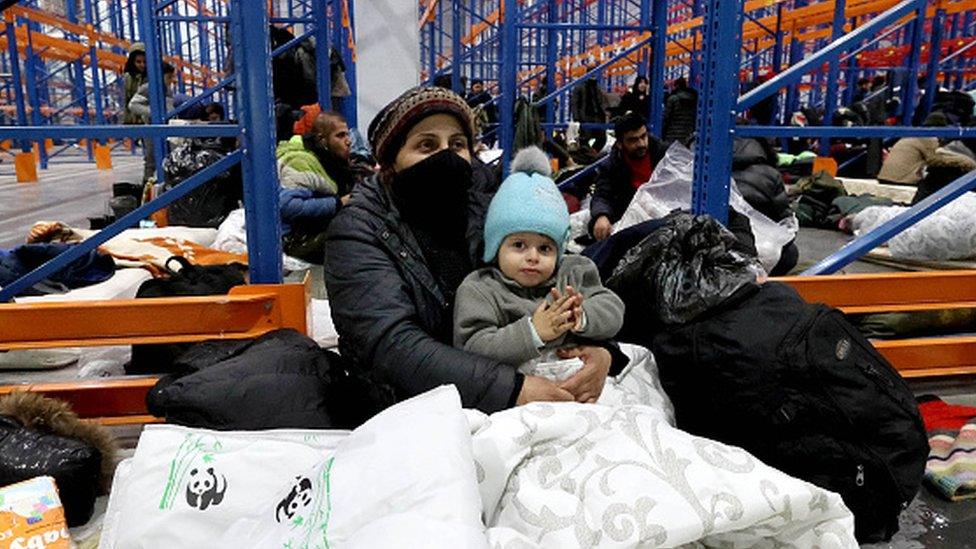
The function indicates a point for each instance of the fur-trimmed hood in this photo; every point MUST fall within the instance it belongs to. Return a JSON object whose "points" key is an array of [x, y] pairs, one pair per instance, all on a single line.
{"points": [[35, 411]]}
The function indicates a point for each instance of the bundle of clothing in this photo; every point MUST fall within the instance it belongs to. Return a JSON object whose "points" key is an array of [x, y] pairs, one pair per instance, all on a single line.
{"points": [[951, 467], [209, 204], [822, 202], [144, 248], [92, 268]]}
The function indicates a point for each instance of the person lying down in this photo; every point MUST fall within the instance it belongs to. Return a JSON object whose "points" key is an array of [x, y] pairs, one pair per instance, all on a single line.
{"points": [[533, 305]]}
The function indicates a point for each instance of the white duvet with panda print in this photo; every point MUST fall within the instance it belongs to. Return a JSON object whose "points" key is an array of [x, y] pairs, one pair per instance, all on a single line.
{"points": [[426, 473]]}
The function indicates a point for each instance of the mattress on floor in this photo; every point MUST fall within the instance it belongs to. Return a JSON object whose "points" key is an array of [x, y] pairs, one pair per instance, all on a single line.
{"points": [[123, 285]]}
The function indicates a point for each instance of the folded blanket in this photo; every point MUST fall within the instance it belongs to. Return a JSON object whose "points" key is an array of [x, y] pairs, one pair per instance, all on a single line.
{"points": [[146, 248], [951, 467]]}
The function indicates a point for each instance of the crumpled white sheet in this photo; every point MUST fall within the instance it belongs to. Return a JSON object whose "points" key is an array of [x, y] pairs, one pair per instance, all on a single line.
{"points": [[670, 188], [232, 237], [949, 233]]}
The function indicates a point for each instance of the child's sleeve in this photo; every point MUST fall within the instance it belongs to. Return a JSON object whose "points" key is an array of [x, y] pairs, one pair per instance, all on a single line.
{"points": [[603, 311], [477, 330]]}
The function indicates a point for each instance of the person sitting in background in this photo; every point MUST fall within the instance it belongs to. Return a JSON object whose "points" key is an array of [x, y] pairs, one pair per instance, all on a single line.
{"points": [[533, 304], [631, 163], [636, 99], [315, 183], [214, 112], [139, 107], [135, 77], [908, 157], [862, 90], [680, 113]]}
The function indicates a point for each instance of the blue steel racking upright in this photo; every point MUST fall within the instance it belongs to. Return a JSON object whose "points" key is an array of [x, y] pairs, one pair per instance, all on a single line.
{"points": [[252, 102], [71, 58]]}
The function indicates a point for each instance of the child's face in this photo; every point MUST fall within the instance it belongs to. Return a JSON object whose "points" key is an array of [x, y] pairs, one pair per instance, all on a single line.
{"points": [[527, 258]]}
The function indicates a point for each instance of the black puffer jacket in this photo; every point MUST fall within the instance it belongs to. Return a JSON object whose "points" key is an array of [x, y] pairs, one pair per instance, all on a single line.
{"points": [[760, 183], [613, 190], [680, 114], [386, 304]]}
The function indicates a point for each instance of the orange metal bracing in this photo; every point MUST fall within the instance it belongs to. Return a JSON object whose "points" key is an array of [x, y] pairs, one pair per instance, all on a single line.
{"points": [[904, 292], [881, 292], [49, 47], [110, 402], [247, 312]]}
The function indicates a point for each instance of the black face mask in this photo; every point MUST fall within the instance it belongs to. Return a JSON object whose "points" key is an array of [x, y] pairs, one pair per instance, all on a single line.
{"points": [[433, 194]]}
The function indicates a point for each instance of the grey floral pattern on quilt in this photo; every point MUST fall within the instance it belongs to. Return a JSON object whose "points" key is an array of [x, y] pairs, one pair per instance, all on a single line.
{"points": [[574, 475]]}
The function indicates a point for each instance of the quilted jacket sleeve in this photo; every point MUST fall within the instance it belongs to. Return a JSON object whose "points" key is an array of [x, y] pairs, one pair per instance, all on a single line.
{"points": [[302, 206]]}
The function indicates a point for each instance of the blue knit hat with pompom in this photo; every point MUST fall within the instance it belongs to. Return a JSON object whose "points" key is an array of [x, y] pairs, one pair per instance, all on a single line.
{"points": [[527, 201]]}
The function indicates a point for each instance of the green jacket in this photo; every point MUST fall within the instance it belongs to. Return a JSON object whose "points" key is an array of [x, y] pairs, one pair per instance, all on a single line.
{"points": [[132, 85], [299, 168]]}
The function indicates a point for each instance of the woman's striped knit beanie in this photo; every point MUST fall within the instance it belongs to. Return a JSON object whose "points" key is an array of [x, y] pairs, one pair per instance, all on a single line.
{"points": [[388, 131]]}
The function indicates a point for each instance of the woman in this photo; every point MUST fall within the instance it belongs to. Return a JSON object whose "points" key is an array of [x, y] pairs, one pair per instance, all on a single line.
{"points": [[636, 99], [395, 256], [135, 77]]}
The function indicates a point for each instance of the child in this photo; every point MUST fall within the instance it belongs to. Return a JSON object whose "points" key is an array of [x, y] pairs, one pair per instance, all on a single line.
{"points": [[532, 300]]}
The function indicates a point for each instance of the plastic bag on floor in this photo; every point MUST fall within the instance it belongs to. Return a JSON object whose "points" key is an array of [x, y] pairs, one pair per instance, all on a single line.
{"points": [[208, 204], [949, 233], [232, 237], [670, 189], [683, 269]]}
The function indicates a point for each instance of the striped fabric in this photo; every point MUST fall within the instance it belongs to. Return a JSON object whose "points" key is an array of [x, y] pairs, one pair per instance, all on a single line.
{"points": [[951, 467]]}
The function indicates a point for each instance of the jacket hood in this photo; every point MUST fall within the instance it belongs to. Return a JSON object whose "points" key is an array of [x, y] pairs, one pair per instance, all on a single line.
{"points": [[293, 145]]}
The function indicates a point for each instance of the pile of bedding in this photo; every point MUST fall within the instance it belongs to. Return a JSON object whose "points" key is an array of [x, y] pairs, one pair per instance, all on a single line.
{"points": [[426, 473]]}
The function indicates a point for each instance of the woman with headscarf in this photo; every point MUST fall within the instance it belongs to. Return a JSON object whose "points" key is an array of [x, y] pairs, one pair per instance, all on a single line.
{"points": [[636, 99], [135, 77], [396, 254]]}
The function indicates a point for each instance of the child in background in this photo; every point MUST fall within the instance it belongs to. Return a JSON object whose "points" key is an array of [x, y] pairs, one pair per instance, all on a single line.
{"points": [[533, 300]]}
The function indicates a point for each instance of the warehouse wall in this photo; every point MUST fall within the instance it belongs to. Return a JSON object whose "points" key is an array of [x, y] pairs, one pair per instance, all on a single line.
{"points": [[388, 53]]}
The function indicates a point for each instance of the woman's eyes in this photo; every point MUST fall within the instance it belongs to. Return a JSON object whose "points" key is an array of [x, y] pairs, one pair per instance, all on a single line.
{"points": [[545, 248], [518, 244], [459, 144], [427, 145]]}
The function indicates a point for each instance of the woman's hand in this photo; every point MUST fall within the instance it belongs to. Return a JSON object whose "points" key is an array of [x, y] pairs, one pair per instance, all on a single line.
{"points": [[587, 384], [535, 389]]}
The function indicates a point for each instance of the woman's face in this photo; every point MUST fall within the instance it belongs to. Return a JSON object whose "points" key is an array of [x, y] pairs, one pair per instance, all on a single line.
{"points": [[140, 62], [642, 86], [429, 137]]}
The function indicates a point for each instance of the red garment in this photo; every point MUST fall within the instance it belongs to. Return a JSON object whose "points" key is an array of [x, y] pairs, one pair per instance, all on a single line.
{"points": [[640, 169], [939, 415]]}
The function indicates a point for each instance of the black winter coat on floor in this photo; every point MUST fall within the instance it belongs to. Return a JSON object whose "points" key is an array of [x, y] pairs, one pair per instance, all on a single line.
{"points": [[393, 319], [280, 380]]}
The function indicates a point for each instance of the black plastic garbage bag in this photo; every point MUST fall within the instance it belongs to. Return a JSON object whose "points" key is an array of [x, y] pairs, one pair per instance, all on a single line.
{"points": [[209, 204], [683, 269]]}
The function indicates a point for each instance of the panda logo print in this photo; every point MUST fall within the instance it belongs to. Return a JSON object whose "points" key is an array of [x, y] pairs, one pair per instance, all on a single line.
{"points": [[299, 498], [194, 474], [205, 488]]}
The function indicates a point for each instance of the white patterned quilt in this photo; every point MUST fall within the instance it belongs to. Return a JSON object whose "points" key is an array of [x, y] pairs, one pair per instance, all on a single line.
{"points": [[573, 475], [426, 473]]}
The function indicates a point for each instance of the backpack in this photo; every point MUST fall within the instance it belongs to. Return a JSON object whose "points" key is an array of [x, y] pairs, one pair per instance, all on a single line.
{"points": [[189, 280], [799, 387]]}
